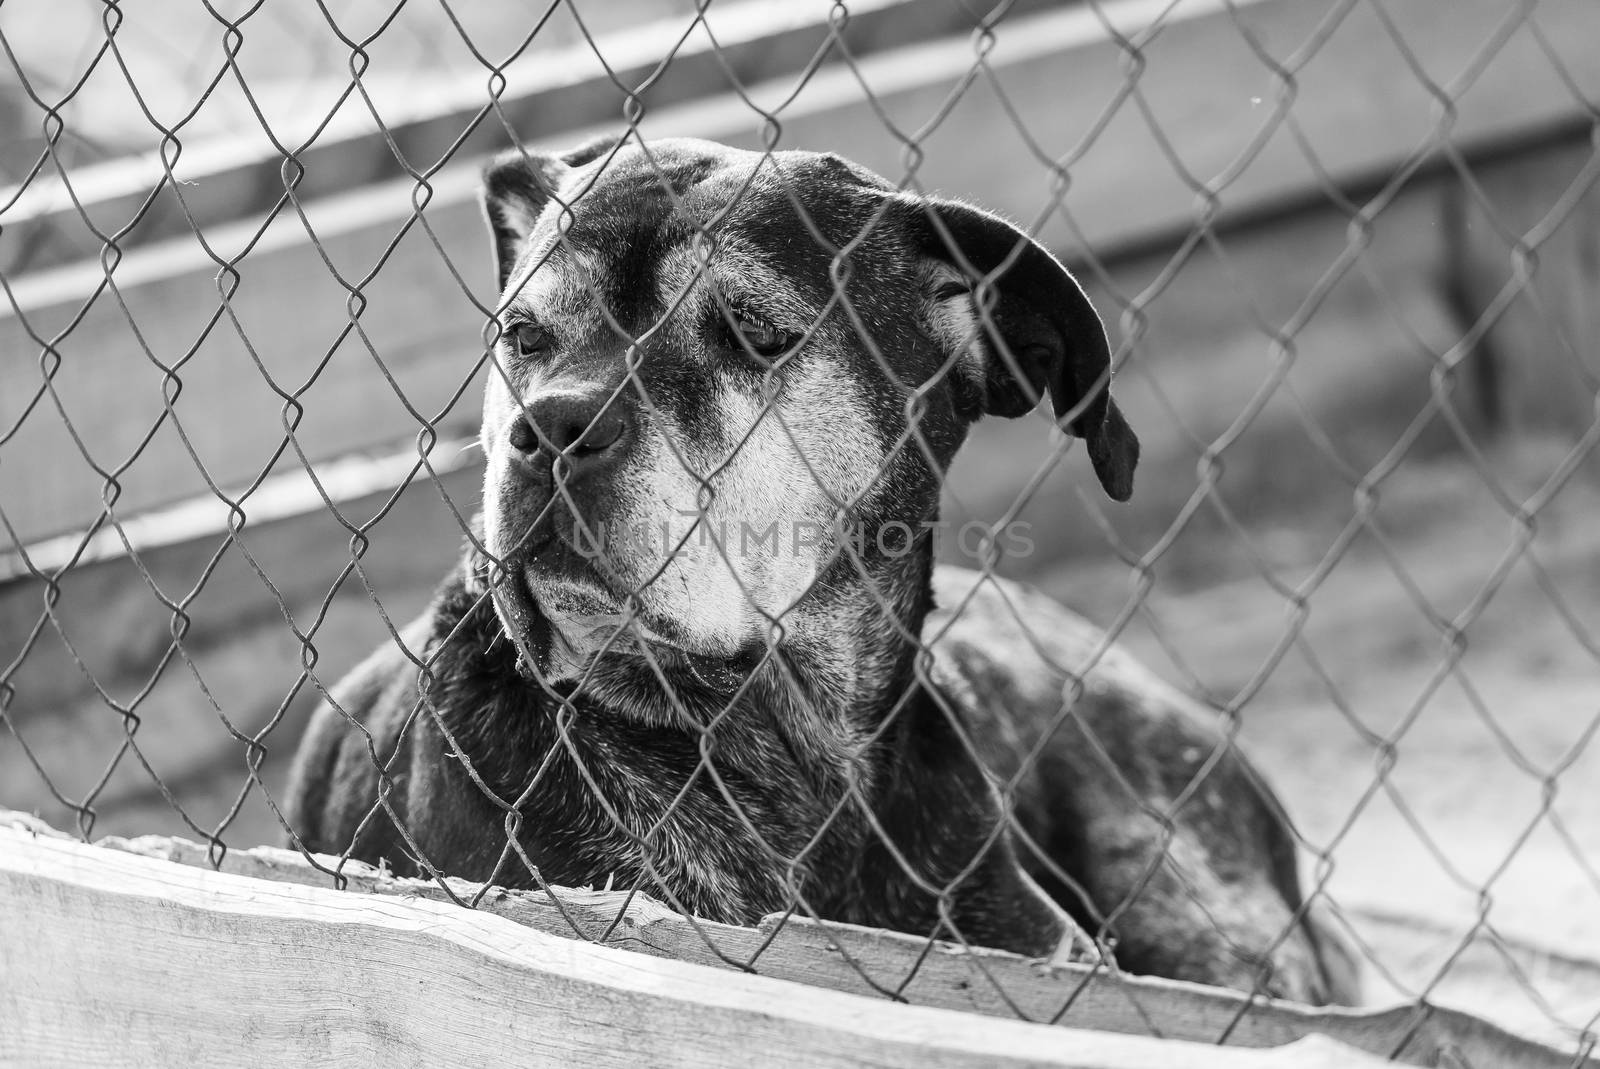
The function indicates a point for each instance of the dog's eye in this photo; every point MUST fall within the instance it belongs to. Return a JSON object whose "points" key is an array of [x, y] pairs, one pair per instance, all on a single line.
{"points": [[762, 337], [529, 339]]}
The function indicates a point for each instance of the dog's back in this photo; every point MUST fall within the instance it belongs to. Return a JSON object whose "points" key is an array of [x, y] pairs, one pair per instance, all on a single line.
{"points": [[333, 784], [1137, 813]]}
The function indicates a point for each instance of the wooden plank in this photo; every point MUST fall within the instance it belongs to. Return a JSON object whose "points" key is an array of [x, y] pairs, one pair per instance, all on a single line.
{"points": [[544, 93], [111, 958], [863, 961], [1358, 104], [1358, 89]]}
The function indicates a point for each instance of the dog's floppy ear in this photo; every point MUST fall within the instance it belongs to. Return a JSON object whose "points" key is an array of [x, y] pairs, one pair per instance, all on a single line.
{"points": [[516, 187], [517, 184], [1036, 332]]}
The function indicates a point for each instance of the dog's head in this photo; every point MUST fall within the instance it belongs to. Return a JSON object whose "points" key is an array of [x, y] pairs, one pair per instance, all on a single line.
{"points": [[728, 384]]}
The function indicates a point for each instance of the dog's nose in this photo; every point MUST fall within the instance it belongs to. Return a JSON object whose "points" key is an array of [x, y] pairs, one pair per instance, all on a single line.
{"points": [[587, 430]]}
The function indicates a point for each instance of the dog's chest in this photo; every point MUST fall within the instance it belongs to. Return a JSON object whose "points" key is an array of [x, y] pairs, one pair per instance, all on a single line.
{"points": [[601, 802]]}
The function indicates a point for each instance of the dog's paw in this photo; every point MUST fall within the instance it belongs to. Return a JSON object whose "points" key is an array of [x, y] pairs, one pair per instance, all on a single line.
{"points": [[1077, 947]]}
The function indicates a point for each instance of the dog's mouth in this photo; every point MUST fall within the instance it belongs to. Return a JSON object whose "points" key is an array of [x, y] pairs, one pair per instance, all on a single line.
{"points": [[564, 623], [588, 619]]}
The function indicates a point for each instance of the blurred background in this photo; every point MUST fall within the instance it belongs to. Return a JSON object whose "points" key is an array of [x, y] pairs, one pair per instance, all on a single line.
{"points": [[1348, 250]]}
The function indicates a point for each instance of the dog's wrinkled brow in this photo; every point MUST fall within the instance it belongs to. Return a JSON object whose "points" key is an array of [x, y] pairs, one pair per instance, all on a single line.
{"points": [[742, 279], [561, 284]]}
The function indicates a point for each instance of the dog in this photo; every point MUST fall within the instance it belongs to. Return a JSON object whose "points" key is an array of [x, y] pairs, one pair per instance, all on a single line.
{"points": [[714, 352]]}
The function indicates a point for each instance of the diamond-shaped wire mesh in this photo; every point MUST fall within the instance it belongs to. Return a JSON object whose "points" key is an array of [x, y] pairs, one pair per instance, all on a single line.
{"points": [[1346, 253]]}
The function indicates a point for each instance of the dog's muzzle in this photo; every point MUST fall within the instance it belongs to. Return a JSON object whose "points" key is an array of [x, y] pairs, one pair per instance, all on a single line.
{"points": [[583, 435], [563, 452]]}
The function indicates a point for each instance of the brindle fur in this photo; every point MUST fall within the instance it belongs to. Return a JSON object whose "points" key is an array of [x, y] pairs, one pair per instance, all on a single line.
{"points": [[839, 745]]}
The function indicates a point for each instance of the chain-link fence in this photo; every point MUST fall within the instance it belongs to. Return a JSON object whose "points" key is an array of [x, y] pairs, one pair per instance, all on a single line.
{"points": [[733, 556]]}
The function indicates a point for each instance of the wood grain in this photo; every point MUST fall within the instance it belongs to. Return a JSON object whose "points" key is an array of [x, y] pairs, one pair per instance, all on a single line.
{"points": [[859, 961], [544, 93], [110, 958]]}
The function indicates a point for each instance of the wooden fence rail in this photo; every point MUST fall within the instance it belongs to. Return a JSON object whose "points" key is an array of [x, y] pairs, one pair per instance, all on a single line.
{"points": [[137, 951], [53, 220]]}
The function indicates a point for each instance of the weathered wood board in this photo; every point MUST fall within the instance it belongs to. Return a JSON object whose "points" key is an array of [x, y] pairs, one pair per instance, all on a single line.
{"points": [[539, 94], [843, 958], [109, 958]]}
